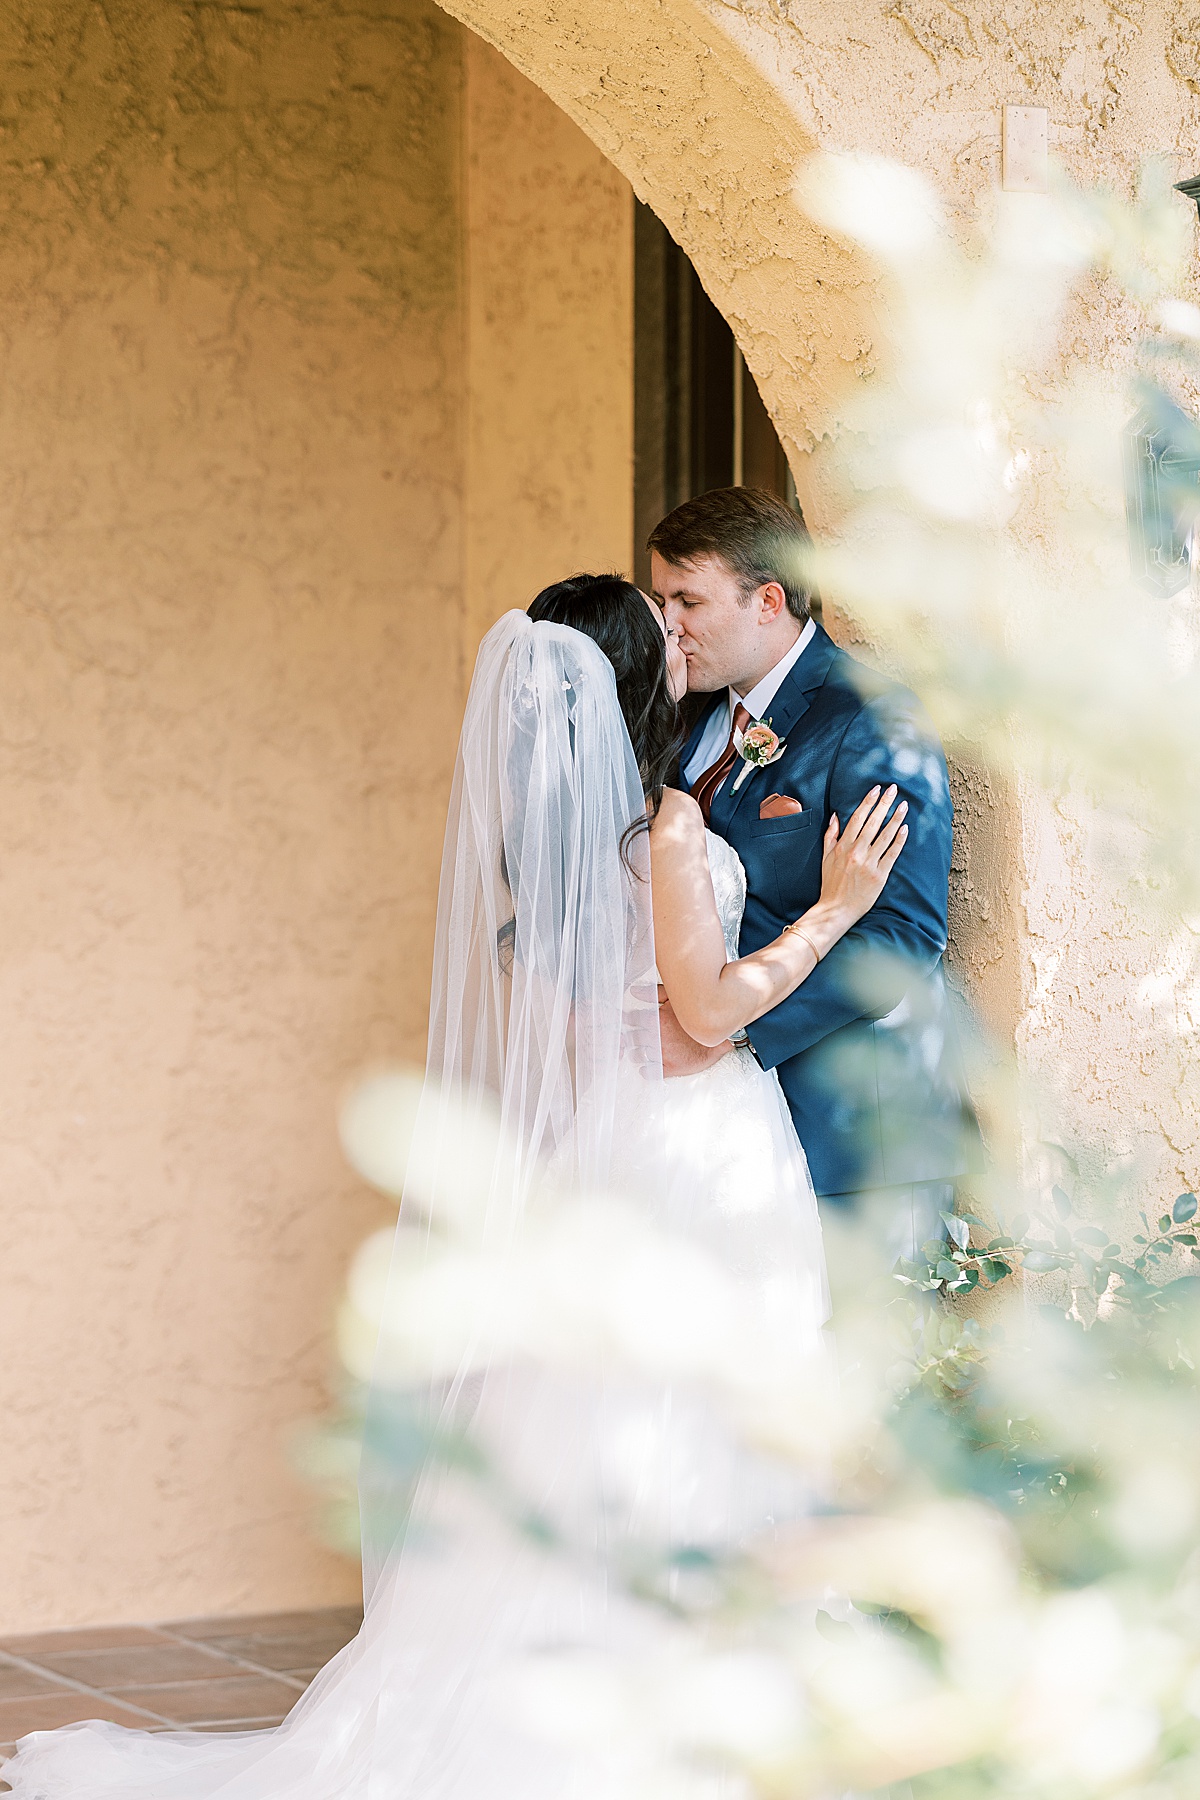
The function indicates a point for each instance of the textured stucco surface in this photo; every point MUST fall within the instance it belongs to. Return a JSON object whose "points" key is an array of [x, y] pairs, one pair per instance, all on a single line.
{"points": [[231, 524], [549, 380], [708, 107], [235, 259]]}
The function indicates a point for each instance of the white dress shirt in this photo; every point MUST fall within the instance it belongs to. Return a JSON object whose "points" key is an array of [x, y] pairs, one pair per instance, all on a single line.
{"points": [[716, 733]]}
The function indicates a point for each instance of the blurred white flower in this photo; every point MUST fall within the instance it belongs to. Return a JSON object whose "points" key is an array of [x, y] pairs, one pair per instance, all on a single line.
{"points": [[890, 209], [1083, 695], [873, 1674], [954, 473], [1155, 1508], [1045, 232], [1115, 1742], [743, 1702], [1178, 317], [443, 1152], [579, 1697], [420, 1308], [1191, 1693], [377, 1121], [1078, 1713]]}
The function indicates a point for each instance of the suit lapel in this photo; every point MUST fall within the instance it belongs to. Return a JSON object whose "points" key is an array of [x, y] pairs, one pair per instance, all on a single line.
{"points": [[785, 711]]}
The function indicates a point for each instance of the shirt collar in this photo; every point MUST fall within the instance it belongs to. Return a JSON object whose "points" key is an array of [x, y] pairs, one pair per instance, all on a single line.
{"points": [[761, 695]]}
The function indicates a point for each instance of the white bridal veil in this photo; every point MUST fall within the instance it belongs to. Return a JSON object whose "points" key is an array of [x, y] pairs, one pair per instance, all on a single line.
{"points": [[595, 1335], [487, 1511], [543, 972]]}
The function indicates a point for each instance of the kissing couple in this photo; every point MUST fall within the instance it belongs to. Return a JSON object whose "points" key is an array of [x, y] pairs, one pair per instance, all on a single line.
{"points": [[703, 972]]}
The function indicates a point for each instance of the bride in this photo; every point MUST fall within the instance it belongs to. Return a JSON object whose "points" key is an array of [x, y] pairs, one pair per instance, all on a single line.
{"points": [[563, 1492]]}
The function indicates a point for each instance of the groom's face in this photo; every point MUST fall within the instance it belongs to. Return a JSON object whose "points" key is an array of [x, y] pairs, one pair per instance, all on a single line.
{"points": [[720, 626]]}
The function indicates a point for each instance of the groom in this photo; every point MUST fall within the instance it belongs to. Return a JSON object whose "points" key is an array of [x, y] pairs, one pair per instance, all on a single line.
{"points": [[864, 1048]]}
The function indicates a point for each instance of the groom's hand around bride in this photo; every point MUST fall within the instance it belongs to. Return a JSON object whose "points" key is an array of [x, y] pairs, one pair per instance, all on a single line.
{"points": [[680, 1053]]}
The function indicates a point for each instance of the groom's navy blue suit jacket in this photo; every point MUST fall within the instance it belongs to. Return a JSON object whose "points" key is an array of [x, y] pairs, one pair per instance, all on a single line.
{"points": [[865, 1048]]}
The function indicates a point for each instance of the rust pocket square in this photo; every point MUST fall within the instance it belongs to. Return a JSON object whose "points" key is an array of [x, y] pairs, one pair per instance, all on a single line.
{"points": [[779, 806]]}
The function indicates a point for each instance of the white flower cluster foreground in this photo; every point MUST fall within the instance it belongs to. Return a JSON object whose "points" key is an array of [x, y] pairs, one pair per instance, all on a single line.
{"points": [[779, 1685]]}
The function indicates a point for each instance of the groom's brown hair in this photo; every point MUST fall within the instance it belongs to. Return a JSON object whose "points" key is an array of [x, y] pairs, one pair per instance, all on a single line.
{"points": [[754, 533]]}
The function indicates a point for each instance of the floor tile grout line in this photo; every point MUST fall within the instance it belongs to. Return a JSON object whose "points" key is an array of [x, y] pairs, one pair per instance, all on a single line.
{"points": [[260, 1722], [243, 1662], [164, 1636], [79, 1687], [226, 1657]]}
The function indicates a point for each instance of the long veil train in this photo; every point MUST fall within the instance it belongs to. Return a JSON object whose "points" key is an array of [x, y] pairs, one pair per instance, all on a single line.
{"points": [[576, 1343]]}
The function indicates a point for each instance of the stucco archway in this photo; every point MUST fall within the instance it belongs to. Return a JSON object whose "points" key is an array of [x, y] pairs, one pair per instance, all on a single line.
{"points": [[704, 138]]}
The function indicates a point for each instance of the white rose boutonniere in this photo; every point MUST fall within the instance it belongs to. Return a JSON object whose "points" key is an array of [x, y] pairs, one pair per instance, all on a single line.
{"points": [[759, 747]]}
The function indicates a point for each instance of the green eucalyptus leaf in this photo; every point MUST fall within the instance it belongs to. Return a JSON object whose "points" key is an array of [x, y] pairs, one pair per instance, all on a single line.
{"points": [[1184, 1208], [1090, 1234], [957, 1229], [1164, 1224], [1038, 1261], [1062, 1204]]}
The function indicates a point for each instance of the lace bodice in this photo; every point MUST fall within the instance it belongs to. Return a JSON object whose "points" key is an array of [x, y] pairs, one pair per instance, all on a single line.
{"points": [[729, 886]]}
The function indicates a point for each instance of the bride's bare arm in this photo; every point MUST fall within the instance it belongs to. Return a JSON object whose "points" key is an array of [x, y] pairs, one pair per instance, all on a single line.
{"points": [[711, 997]]}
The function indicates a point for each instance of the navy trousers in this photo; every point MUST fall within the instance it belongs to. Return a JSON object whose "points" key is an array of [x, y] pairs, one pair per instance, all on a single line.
{"points": [[909, 1215]]}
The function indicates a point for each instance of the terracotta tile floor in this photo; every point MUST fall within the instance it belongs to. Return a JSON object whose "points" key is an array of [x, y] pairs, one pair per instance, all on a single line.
{"points": [[211, 1674]]}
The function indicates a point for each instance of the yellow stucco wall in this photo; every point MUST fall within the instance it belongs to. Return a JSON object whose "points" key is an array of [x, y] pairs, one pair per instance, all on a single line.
{"points": [[549, 387], [235, 263]]}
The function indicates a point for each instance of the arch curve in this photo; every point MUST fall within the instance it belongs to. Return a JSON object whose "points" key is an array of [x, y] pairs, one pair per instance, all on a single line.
{"points": [[706, 140]]}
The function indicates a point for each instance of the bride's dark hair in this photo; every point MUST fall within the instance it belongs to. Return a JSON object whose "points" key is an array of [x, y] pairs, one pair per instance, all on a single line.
{"points": [[614, 614]]}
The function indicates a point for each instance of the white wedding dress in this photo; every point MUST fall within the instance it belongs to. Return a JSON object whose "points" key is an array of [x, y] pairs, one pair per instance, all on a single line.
{"points": [[604, 1480], [416, 1708], [739, 1172]]}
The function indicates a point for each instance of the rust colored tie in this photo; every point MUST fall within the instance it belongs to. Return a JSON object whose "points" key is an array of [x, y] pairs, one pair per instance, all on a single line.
{"points": [[705, 789]]}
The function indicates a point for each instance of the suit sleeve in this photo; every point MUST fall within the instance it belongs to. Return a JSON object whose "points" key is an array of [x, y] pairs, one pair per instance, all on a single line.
{"points": [[900, 940]]}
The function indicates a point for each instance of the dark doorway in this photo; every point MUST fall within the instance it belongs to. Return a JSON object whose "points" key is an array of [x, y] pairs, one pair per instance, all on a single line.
{"points": [[699, 422]]}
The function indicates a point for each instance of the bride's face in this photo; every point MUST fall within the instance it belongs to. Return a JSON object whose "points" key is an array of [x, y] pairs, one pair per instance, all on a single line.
{"points": [[677, 669]]}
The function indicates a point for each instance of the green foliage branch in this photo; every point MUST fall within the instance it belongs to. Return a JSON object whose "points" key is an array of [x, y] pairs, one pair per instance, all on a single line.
{"points": [[954, 1267]]}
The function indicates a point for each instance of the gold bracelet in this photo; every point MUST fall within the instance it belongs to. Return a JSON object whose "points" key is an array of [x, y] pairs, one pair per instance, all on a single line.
{"points": [[800, 932]]}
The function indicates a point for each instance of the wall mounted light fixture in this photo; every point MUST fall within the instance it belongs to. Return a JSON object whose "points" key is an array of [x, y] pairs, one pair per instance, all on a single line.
{"points": [[1162, 492], [1190, 189]]}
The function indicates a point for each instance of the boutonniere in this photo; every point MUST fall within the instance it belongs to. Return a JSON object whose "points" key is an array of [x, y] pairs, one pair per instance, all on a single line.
{"points": [[759, 746]]}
